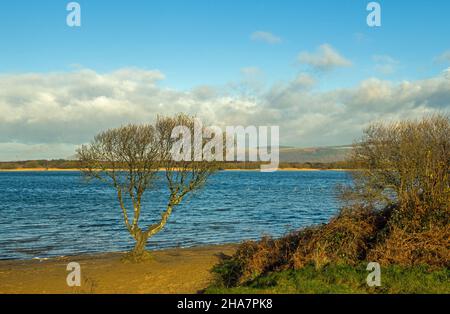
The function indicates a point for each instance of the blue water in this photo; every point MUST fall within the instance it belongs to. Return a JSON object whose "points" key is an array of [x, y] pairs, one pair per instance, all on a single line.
{"points": [[47, 214]]}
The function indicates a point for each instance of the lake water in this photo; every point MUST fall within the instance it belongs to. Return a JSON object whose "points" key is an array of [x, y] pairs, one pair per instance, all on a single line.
{"points": [[47, 214]]}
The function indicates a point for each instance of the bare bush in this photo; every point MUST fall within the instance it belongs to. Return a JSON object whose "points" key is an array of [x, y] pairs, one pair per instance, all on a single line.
{"points": [[405, 165], [396, 211]]}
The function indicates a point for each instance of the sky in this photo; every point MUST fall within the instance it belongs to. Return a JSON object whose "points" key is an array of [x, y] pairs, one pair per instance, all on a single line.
{"points": [[313, 67]]}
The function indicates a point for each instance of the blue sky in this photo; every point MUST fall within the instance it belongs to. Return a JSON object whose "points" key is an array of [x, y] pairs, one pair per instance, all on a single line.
{"points": [[197, 42], [314, 68]]}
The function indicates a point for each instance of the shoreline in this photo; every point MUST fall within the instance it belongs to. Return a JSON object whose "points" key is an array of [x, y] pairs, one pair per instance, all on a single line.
{"points": [[231, 169], [175, 270]]}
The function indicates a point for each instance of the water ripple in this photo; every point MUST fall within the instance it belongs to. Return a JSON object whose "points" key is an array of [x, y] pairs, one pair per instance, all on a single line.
{"points": [[49, 214]]}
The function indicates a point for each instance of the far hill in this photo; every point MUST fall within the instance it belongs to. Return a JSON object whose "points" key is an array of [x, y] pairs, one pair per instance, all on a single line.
{"points": [[330, 157], [327, 154]]}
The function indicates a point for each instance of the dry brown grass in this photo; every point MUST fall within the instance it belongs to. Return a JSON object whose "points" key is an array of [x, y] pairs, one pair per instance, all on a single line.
{"points": [[397, 211], [430, 247], [345, 239], [268, 254], [349, 238]]}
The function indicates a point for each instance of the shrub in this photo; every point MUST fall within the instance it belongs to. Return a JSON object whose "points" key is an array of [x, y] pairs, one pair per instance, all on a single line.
{"points": [[396, 212], [345, 239], [430, 247], [406, 164]]}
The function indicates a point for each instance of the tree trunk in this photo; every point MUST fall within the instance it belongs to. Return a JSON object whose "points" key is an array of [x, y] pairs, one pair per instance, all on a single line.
{"points": [[138, 252]]}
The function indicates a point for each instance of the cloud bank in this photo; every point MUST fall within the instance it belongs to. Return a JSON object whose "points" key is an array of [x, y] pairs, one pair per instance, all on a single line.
{"points": [[49, 115], [326, 58], [444, 57], [265, 37], [385, 64]]}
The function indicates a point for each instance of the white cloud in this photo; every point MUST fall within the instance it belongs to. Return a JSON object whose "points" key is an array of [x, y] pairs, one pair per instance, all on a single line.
{"points": [[447, 73], [266, 37], [304, 80], [251, 71], [385, 64], [444, 57], [360, 38], [325, 58], [252, 77], [49, 115]]}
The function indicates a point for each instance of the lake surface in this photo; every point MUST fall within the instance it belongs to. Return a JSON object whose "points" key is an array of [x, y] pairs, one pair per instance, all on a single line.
{"points": [[47, 214]]}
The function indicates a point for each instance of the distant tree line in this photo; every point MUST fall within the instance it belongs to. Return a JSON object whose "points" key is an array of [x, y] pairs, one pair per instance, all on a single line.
{"points": [[74, 164]]}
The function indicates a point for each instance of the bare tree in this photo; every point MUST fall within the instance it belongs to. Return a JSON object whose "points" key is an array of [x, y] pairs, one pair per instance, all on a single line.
{"points": [[132, 157], [405, 166]]}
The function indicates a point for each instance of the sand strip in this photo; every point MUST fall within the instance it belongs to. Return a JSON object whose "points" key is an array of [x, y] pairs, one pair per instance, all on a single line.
{"points": [[170, 271]]}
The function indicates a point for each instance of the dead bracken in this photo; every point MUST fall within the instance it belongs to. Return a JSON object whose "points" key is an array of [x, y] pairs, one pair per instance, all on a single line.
{"points": [[396, 212]]}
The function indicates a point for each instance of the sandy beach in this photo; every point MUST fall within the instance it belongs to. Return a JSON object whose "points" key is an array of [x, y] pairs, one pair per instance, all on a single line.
{"points": [[180, 270]]}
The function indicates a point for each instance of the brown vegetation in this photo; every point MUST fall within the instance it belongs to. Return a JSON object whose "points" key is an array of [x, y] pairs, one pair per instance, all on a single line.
{"points": [[396, 212]]}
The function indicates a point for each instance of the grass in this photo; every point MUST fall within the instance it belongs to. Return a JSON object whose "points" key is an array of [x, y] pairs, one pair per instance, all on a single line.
{"points": [[344, 279]]}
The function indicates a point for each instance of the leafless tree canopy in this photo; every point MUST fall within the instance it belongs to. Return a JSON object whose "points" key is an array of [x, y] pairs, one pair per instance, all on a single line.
{"points": [[396, 211], [130, 158], [405, 165]]}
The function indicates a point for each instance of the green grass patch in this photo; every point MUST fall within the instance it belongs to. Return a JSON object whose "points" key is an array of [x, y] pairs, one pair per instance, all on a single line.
{"points": [[344, 279]]}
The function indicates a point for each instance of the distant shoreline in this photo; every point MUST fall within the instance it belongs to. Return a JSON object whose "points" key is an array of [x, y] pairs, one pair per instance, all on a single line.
{"points": [[231, 169]]}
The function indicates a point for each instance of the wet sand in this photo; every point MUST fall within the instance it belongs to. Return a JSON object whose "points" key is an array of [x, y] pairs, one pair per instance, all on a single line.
{"points": [[169, 271]]}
